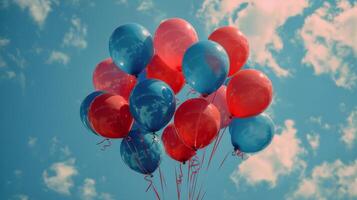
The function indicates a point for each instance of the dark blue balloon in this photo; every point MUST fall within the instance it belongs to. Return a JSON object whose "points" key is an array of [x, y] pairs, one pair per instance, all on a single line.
{"points": [[131, 48], [152, 104], [252, 134], [85, 108], [142, 76], [142, 152], [205, 66]]}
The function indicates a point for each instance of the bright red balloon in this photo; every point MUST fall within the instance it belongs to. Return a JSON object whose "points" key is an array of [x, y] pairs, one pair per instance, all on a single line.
{"points": [[172, 38], [157, 69], [197, 122], [174, 146], [235, 44], [108, 77], [249, 93], [110, 117], [219, 99]]}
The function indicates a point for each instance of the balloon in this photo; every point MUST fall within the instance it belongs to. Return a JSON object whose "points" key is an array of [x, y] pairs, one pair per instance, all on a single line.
{"points": [[85, 108], [197, 122], [108, 77], [131, 48], [142, 76], [235, 44], [174, 146], [110, 116], [171, 40], [205, 66], [157, 69], [249, 93], [218, 99], [152, 103], [141, 152], [252, 134]]}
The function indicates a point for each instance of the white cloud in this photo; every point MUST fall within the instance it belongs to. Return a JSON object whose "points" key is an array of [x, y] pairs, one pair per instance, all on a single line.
{"points": [[145, 5], [4, 42], [329, 181], [258, 20], [329, 35], [32, 141], [21, 197], [76, 36], [314, 140], [88, 191], [281, 157], [318, 121], [61, 181], [59, 57], [349, 130], [106, 196], [38, 9], [18, 173], [121, 2]]}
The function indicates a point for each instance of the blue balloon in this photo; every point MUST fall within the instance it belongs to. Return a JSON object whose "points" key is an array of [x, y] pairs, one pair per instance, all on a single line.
{"points": [[142, 76], [131, 48], [205, 66], [142, 152], [85, 109], [252, 134], [152, 104]]}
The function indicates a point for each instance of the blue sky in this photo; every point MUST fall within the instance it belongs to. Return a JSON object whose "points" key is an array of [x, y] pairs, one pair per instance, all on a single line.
{"points": [[49, 48]]}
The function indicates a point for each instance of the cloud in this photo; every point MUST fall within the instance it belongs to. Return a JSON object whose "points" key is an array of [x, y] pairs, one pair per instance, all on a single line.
{"points": [[21, 197], [318, 121], [258, 20], [4, 42], [32, 141], [88, 191], [61, 181], [349, 130], [329, 36], [314, 140], [76, 35], [18, 173], [145, 5], [38, 9], [329, 181], [58, 57], [281, 157]]}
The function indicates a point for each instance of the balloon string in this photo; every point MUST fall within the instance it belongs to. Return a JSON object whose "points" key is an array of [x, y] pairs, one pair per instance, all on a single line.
{"points": [[190, 91], [179, 182], [198, 172], [215, 146], [104, 146], [151, 185], [162, 183], [240, 154], [224, 159], [195, 166], [177, 185]]}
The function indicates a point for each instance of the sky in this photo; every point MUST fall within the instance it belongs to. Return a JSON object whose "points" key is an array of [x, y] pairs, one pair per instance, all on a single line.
{"points": [[49, 49]]}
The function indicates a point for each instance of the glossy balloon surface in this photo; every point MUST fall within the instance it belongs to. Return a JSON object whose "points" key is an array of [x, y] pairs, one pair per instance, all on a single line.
{"points": [[172, 38], [108, 77], [141, 152], [174, 146], [219, 99], [197, 122], [131, 48], [85, 108], [249, 93], [235, 44], [157, 69], [110, 116], [252, 134], [152, 104], [205, 66]]}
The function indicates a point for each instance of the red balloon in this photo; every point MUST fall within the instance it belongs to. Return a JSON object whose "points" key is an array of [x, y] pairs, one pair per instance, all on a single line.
{"points": [[197, 122], [108, 77], [235, 44], [110, 117], [174, 146], [172, 38], [249, 93], [157, 69]]}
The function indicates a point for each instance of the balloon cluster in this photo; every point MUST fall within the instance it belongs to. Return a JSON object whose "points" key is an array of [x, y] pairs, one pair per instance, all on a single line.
{"points": [[136, 90]]}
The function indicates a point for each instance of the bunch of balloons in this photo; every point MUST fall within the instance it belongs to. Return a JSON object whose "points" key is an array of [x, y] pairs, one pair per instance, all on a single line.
{"points": [[136, 88]]}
